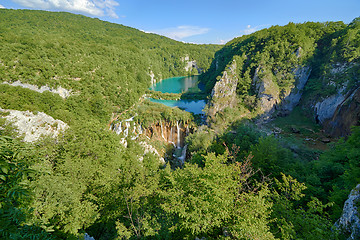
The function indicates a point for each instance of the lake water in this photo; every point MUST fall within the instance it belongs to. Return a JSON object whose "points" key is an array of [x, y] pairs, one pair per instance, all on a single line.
{"points": [[179, 85]]}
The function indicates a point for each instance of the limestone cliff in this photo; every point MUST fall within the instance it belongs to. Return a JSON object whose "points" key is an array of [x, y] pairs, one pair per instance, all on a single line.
{"points": [[33, 126], [349, 221], [347, 114], [191, 66], [271, 97], [268, 93], [168, 132], [64, 93], [165, 132], [293, 95], [223, 94], [340, 110]]}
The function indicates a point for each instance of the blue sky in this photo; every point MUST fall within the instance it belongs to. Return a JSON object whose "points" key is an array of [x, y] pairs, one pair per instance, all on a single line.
{"points": [[200, 21]]}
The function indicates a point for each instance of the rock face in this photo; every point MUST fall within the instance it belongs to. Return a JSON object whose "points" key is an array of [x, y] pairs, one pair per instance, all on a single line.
{"points": [[33, 126], [223, 94], [293, 96], [150, 149], [191, 65], [64, 93], [168, 132], [339, 111], [163, 131], [349, 221], [88, 237], [347, 114], [326, 108], [269, 94]]}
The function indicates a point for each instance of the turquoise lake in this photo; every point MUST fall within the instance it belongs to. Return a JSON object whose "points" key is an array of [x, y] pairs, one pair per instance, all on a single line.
{"points": [[179, 85]]}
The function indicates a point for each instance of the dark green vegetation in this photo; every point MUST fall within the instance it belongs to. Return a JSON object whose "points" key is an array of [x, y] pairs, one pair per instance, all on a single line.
{"points": [[238, 182]]}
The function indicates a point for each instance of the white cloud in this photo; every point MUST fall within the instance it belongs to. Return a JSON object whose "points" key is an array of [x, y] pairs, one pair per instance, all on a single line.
{"points": [[249, 29], [181, 32], [223, 41], [92, 7], [1, 6]]}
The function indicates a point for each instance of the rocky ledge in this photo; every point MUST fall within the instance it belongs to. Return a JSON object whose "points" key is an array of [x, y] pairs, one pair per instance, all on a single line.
{"points": [[33, 126], [349, 221]]}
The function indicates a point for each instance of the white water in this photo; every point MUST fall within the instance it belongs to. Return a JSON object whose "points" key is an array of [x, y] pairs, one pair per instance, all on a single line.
{"points": [[183, 155], [171, 135], [126, 131], [178, 134], [162, 131]]}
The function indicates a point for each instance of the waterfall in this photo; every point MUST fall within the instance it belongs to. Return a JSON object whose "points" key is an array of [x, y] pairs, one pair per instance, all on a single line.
{"points": [[171, 135], [140, 129], [162, 130], [178, 134], [134, 130], [183, 155], [119, 130], [187, 130], [126, 131]]}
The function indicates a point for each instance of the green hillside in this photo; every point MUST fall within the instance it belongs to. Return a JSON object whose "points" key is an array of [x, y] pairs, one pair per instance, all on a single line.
{"points": [[238, 179], [278, 48], [106, 65]]}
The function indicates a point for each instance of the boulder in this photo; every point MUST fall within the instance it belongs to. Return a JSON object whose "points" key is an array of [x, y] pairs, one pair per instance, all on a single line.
{"points": [[349, 221]]}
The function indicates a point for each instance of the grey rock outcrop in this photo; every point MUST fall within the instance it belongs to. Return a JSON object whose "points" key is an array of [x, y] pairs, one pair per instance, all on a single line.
{"points": [[150, 149], [223, 94], [326, 108], [64, 93], [33, 126], [341, 110], [190, 65], [88, 237], [270, 96], [293, 96], [268, 92], [349, 221], [347, 114]]}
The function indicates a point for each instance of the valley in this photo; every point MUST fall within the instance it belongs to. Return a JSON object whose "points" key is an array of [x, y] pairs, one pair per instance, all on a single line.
{"points": [[108, 131]]}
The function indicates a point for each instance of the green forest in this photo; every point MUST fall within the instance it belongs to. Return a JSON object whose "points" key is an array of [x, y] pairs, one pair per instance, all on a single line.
{"points": [[238, 181]]}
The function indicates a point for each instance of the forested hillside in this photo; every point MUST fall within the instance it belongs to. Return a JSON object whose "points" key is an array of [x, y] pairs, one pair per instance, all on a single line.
{"points": [[260, 167], [107, 66], [272, 66]]}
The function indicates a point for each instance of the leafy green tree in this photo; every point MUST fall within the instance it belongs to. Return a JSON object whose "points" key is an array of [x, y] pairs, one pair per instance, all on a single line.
{"points": [[208, 201], [15, 197], [294, 221]]}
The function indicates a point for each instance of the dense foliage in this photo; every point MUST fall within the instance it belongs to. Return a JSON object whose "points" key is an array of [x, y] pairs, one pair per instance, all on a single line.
{"points": [[106, 65], [275, 53], [238, 182]]}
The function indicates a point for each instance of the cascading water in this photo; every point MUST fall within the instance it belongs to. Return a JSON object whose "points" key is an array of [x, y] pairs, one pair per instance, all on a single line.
{"points": [[183, 155], [162, 131], [126, 131], [178, 134], [140, 129], [171, 135]]}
